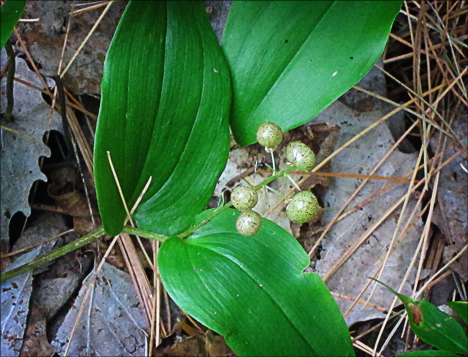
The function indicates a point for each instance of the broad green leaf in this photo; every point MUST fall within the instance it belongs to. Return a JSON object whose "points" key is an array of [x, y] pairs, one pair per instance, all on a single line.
{"points": [[291, 59], [432, 353], [164, 113], [253, 290], [432, 325], [460, 308], [10, 14]]}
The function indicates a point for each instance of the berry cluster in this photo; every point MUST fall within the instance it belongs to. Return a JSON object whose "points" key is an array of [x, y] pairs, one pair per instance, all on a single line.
{"points": [[244, 199], [303, 206]]}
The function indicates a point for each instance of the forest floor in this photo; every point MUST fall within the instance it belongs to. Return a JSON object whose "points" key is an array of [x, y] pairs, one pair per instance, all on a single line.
{"points": [[396, 211]]}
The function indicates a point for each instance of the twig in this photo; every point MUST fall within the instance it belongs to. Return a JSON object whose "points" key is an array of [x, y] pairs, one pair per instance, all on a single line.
{"points": [[8, 115]]}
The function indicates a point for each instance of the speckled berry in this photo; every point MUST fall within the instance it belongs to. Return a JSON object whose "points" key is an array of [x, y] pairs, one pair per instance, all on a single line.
{"points": [[269, 135], [299, 154], [248, 223], [244, 198], [303, 207]]}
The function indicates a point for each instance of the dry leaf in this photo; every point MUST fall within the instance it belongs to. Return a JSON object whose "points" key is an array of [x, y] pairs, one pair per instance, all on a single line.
{"points": [[113, 325], [360, 158], [22, 143]]}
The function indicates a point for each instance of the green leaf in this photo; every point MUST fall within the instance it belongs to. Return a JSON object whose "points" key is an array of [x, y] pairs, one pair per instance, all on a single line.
{"points": [[10, 14], [253, 290], [460, 308], [432, 353], [432, 325], [291, 59], [164, 113]]}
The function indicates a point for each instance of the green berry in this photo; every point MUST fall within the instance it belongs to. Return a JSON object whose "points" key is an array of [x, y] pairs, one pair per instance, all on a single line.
{"points": [[269, 135], [303, 207], [299, 154], [244, 198], [248, 223]]}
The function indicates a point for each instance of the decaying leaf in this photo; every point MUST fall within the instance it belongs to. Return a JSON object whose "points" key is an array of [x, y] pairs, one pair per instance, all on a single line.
{"points": [[35, 338], [451, 216], [360, 158], [15, 294], [62, 189], [114, 325], [46, 226], [22, 143], [184, 348], [218, 11]]}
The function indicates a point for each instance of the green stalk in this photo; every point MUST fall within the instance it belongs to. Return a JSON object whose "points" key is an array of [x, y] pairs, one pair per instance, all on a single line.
{"points": [[78, 243], [217, 211], [144, 234]]}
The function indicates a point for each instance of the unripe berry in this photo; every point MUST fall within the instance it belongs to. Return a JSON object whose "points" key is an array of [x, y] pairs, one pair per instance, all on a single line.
{"points": [[299, 154], [303, 207], [248, 223], [244, 198], [269, 135]]}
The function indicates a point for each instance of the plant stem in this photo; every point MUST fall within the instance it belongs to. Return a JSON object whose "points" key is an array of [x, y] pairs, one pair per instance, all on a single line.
{"points": [[78, 243], [144, 234], [273, 162], [10, 82], [293, 182], [273, 190], [217, 211], [281, 173]]}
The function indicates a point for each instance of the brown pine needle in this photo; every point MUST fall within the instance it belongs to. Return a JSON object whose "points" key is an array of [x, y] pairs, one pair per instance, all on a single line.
{"points": [[88, 9], [98, 21], [336, 174]]}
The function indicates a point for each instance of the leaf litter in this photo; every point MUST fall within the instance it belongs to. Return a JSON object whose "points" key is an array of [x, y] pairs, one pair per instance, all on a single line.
{"points": [[20, 301], [45, 39], [112, 324], [15, 295], [361, 157], [22, 144], [453, 200], [378, 242]]}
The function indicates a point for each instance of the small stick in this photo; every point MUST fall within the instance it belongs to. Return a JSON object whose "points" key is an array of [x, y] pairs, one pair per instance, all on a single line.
{"points": [[10, 79]]}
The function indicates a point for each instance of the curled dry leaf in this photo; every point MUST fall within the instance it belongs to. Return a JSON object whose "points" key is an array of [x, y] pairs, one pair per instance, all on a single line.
{"points": [[22, 143]]}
